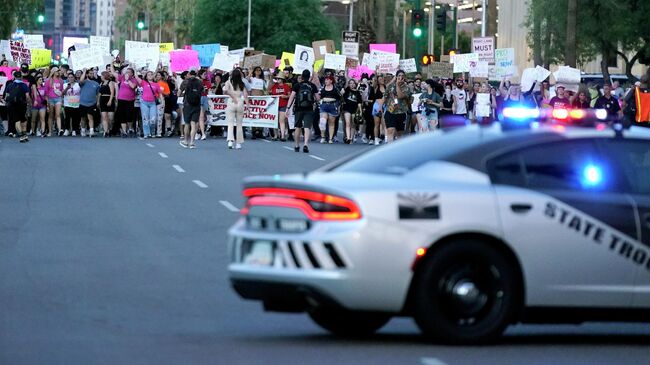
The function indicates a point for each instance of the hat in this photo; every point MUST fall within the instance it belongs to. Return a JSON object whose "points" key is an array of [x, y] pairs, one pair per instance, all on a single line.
{"points": [[24, 67], [279, 75], [306, 74], [560, 86]]}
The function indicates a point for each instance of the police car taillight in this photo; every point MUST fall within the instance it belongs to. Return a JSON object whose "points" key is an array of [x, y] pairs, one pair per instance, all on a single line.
{"points": [[316, 206], [560, 114]]}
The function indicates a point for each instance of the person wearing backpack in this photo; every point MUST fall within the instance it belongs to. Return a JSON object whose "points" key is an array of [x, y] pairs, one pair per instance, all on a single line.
{"points": [[302, 101], [191, 108], [17, 100]]}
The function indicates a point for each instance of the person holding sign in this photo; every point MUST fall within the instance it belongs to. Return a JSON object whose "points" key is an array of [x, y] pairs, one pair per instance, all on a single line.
{"points": [[396, 99], [238, 94], [329, 108], [151, 92], [282, 90], [71, 100], [54, 89], [351, 105]]}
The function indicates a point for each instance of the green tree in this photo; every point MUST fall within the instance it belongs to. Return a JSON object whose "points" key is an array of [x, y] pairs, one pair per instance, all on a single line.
{"points": [[19, 14], [274, 28]]}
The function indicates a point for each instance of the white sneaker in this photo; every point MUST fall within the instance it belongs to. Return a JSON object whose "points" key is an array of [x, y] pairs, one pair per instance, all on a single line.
{"points": [[74, 133], [66, 133], [92, 132], [38, 133], [197, 137], [230, 143], [203, 137], [385, 139], [322, 140], [377, 142], [364, 140], [83, 132], [238, 146]]}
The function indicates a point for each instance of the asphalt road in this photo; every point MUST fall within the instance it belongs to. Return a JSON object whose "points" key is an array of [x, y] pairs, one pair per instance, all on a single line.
{"points": [[113, 252]]}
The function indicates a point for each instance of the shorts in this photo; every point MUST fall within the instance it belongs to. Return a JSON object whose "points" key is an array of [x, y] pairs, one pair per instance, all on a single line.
{"points": [[85, 110], [170, 104], [124, 113], [332, 109], [282, 109], [39, 108], [104, 106], [430, 115], [54, 101], [16, 113], [304, 119], [191, 113], [204, 103], [396, 121], [377, 109]]}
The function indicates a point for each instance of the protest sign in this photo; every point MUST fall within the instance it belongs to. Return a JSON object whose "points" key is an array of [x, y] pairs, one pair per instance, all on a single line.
{"points": [[8, 71], [335, 62], [569, 77], [5, 50], [461, 61], [164, 59], [166, 47], [286, 60], [350, 49], [303, 59], [261, 111], [143, 54], [442, 69], [385, 62], [224, 62], [86, 58], [268, 61], [239, 53], [78, 46], [33, 41], [41, 58], [184, 60], [478, 69], [20, 53], [388, 48], [3, 84], [542, 73], [504, 62], [484, 47], [351, 62], [321, 48], [408, 65], [357, 72], [103, 43], [415, 104], [483, 107], [224, 49], [206, 52], [132, 46], [318, 65], [253, 61]]}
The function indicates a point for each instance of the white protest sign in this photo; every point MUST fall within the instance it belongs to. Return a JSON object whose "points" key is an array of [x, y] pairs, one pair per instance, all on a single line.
{"points": [[569, 77], [20, 53], [408, 65], [415, 105], [239, 53], [350, 49], [504, 62], [78, 46], [303, 59], [335, 61], [5, 50], [143, 54], [385, 62], [484, 47], [478, 68], [103, 43], [483, 108], [225, 62], [164, 59], [33, 41], [86, 58], [366, 60], [542, 73], [224, 49], [461, 61]]}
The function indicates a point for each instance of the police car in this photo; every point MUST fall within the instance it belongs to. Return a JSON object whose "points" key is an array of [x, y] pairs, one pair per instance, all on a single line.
{"points": [[467, 232]]}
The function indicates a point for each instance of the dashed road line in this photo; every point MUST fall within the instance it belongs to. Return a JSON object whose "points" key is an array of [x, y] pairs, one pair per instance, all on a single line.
{"points": [[229, 206], [431, 361], [266, 140], [317, 158], [178, 168], [200, 184], [163, 155], [150, 145], [288, 148]]}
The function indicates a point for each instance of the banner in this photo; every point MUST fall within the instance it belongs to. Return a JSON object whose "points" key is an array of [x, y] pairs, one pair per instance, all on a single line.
{"points": [[9, 71], [484, 47], [303, 59], [86, 58], [261, 111], [321, 48], [166, 47], [5, 50], [20, 53], [504, 62], [286, 60], [184, 60], [33, 41], [478, 69], [41, 58], [103, 43], [388, 47], [206, 52], [224, 62], [384, 62], [408, 65], [335, 62], [461, 61], [442, 69]]}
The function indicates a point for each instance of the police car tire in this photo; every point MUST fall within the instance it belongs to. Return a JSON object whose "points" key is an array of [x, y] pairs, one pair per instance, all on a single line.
{"points": [[432, 293], [348, 323]]}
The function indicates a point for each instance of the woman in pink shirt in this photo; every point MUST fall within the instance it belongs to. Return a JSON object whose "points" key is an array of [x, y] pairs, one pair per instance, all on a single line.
{"points": [[54, 93], [125, 98], [39, 105], [151, 91]]}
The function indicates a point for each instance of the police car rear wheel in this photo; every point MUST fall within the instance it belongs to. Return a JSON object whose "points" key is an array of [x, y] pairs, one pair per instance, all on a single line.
{"points": [[465, 293], [347, 323]]}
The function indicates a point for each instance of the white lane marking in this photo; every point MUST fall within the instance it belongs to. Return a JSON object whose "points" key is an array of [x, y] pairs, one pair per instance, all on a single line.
{"points": [[200, 184], [229, 206], [178, 168], [266, 140], [317, 158], [288, 148], [150, 145], [431, 361], [163, 155], [140, 138]]}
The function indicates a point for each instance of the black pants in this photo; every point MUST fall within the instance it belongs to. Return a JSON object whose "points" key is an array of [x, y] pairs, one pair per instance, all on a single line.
{"points": [[370, 120], [72, 119]]}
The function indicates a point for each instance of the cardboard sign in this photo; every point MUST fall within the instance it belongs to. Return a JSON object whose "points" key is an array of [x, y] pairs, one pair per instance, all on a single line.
{"points": [[461, 61], [20, 53], [303, 59], [184, 60], [224, 62], [484, 47], [103, 43], [86, 58], [268, 61], [386, 47], [350, 49], [166, 47], [8, 71], [478, 69], [442, 69], [33, 41], [286, 60], [5, 50], [253, 61], [385, 62], [261, 111], [504, 62], [351, 62], [206, 52], [408, 65], [41, 58], [335, 62], [321, 48]]}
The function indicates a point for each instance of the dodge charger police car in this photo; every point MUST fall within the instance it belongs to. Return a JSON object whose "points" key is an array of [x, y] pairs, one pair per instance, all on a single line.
{"points": [[466, 232]]}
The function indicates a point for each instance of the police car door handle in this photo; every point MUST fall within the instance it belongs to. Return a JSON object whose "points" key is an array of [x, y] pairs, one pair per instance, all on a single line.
{"points": [[521, 207]]}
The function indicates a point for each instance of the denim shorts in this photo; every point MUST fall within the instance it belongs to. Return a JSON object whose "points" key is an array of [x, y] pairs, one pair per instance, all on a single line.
{"points": [[282, 109], [332, 109], [377, 109], [54, 101], [204, 103]]}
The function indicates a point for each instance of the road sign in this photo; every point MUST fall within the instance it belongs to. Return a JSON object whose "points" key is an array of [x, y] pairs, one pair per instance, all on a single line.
{"points": [[350, 49], [349, 36]]}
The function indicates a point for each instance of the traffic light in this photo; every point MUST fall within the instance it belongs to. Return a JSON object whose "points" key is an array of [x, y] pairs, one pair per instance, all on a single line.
{"points": [[417, 19], [40, 18], [441, 19], [141, 21], [428, 59], [452, 52]]}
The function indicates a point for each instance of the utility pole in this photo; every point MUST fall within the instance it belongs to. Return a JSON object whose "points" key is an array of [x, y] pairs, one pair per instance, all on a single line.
{"points": [[248, 40], [432, 27], [351, 15], [456, 25], [484, 19]]}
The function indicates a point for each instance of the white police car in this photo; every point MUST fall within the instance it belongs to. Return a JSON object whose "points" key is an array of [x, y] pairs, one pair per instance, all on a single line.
{"points": [[466, 232]]}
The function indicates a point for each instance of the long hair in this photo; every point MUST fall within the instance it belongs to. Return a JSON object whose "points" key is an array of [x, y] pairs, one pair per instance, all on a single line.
{"points": [[236, 80]]}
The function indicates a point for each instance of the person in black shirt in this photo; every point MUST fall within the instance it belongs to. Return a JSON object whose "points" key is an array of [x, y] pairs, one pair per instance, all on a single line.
{"points": [[609, 103], [17, 98], [351, 104], [304, 96], [581, 102]]}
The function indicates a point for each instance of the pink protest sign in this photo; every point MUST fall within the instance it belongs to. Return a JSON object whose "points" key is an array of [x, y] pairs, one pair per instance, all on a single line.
{"points": [[9, 71], [356, 73], [277, 63], [184, 60], [187, 46], [386, 47]]}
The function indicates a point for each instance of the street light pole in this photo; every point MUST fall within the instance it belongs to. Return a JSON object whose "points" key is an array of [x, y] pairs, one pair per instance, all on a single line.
{"points": [[351, 15], [432, 28], [248, 41], [484, 18]]}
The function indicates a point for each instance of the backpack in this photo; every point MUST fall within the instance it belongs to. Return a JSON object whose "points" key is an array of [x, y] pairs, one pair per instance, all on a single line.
{"points": [[16, 95], [193, 93], [305, 96]]}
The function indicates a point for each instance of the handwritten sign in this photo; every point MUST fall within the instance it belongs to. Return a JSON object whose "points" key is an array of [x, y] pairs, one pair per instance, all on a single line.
{"points": [[304, 59], [143, 54], [224, 62], [86, 58], [484, 47], [483, 107], [166, 47], [261, 111], [569, 77], [335, 62], [184, 60], [478, 68], [253, 61], [40, 58], [385, 47], [20, 53], [350, 49], [442, 69], [102, 43], [461, 61], [385, 62], [206, 52], [504, 62], [408, 65], [33, 41]]}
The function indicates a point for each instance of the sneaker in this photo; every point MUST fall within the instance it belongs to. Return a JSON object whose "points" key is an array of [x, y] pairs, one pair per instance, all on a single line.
{"points": [[66, 133], [197, 137], [169, 133], [83, 132], [322, 140], [38, 133], [230, 143], [376, 142], [49, 134], [364, 140], [296, 148], [106, 135], [192, 146], [92, 132], [158, 135], [183, 144], [23, 139], [331, 142], [371, 141], [145, 137], [74, 133], [203, 137], [11, 135], [26, 138], [305, 149], [60, 134], [238, 146]]}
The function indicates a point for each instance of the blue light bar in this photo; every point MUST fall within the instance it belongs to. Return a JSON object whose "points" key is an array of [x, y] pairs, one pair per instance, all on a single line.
{"points": [[520, 113]]}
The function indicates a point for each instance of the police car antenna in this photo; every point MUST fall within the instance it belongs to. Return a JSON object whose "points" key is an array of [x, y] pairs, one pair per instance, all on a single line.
{"points": [[618, 129]]}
